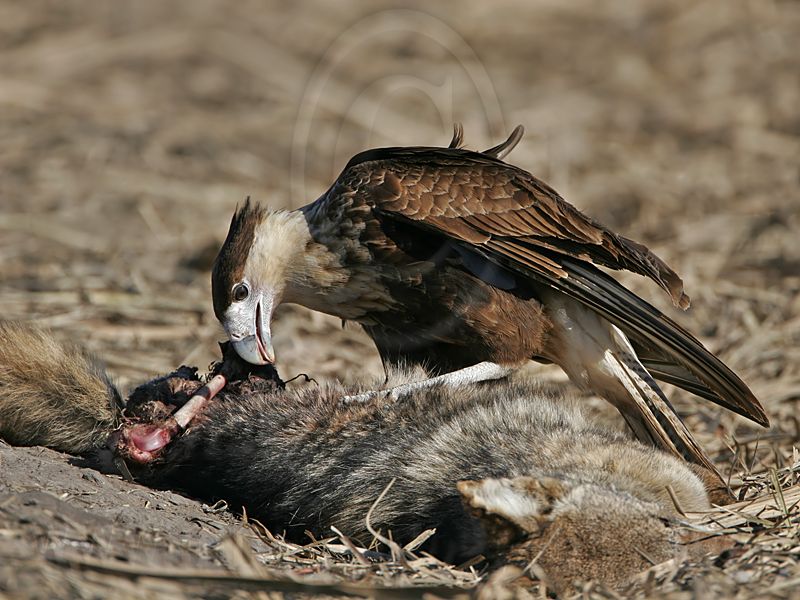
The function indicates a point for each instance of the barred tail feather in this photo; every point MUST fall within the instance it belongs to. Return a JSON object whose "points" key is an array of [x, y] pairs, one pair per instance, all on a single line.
{"points": [[655, 418]]}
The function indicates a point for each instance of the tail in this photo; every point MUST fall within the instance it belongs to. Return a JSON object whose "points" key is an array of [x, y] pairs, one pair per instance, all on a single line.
{"points": [[52, 394], [671, 353], [597, 355], [653, 417]]}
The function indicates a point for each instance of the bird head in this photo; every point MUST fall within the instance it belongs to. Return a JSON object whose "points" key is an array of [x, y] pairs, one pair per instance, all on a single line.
{"points": [[260, 263]]}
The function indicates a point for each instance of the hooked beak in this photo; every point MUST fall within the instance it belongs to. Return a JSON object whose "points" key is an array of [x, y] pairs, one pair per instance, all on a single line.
{"points": [[256, 347]]}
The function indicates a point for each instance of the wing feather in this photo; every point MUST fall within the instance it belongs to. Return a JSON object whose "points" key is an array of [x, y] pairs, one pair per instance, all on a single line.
{"points": [[647, 325], [502, 200], [518, 222]]}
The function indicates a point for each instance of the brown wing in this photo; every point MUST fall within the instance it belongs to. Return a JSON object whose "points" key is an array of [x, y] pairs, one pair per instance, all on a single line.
{"points": [[478, 199], [517, 221]]}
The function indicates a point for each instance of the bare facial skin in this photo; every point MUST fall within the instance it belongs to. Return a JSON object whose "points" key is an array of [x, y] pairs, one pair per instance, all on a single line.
{"points": [[247, 323]]}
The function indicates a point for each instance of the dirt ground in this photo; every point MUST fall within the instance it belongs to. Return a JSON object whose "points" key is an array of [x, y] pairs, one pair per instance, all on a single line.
{"points": [[131, 130]]}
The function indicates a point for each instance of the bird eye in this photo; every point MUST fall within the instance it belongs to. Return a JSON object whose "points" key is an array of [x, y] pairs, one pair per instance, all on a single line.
{"points": [[240, 292]]}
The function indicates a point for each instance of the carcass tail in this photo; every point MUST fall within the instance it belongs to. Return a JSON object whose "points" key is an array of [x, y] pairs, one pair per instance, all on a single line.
{"points": [[52, 394]]}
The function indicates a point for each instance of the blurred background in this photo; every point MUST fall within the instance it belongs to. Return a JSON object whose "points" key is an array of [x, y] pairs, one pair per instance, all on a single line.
{"points": [[129, 131]]}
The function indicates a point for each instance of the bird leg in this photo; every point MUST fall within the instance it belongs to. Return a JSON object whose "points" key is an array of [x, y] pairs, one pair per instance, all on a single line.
{"points": [[484, 371]]}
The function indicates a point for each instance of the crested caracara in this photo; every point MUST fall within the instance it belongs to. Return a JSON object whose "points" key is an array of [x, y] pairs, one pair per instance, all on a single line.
{"points": [[452, 258]]}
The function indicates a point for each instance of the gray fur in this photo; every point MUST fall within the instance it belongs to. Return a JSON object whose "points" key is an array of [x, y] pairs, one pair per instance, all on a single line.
{"points": [[508, 469], [299, 460]]}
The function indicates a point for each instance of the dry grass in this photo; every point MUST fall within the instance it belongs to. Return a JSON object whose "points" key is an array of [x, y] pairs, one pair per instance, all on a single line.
{"points": [[131, 130]]}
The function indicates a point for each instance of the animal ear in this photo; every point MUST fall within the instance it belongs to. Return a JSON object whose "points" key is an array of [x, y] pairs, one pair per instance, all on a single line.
{"points": [[509, 508]]}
